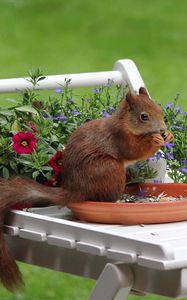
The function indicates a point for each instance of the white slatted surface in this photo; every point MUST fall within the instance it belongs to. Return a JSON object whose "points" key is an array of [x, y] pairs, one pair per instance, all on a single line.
{"points": [[162, 246]]}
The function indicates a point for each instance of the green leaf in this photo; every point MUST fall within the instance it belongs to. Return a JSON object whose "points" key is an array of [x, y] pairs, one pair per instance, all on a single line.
{"points": [[25, 162], [3, 121], [5, 173], [11, 100], [13, 165], [41, 78], [35, 174], [54, 138], [27, 108], [6, 112], [46, 168]]}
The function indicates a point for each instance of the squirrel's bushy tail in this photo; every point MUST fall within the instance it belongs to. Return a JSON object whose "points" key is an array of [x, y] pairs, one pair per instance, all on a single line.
{"points": [[10, 275], [20, 190]]}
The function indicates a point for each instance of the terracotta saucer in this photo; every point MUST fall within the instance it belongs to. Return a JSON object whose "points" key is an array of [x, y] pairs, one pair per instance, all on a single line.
{"points": [[137, 213]]}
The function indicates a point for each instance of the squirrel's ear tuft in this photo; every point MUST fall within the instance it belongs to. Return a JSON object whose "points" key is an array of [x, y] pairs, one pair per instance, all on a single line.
{"points": [[143, 91], [130, 99]]}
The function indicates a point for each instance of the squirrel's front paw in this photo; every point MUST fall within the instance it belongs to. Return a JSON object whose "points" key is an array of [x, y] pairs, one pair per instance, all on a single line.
{"points": [[169, 137], [157, 140]]}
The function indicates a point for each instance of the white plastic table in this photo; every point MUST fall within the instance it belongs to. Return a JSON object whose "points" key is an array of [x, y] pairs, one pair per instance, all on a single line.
{"points": [[150, 258], [147, 258]]}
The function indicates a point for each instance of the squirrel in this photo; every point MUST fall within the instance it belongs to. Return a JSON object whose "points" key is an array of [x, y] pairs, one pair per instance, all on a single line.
{"points": [[93, 166]]}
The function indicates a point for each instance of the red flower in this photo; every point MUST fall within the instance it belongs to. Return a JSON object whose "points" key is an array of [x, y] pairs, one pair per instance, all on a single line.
{"points": [[38, 104], [21, 206], [51, 182], [32, 126], [24, 142], [56, 162]]}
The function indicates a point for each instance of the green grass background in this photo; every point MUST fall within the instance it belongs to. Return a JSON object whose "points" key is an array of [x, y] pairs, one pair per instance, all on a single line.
{"points": [[67, 36]]}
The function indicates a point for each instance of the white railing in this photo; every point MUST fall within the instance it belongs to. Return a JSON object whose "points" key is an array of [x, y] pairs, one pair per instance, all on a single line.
{"points": [[124, 73]]}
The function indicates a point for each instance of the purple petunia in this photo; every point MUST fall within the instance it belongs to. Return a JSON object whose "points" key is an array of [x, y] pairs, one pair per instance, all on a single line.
{"points": [[76, 112], [169, 155], [180, 128], [169, 105], [178, 109], [96, 90], [106, 85], [157, 180], [169, 145], [62, 118], [105, 114], [111, 108], [183, 170], [58, 90], [157, 156], [152, 158], [185, 162]]}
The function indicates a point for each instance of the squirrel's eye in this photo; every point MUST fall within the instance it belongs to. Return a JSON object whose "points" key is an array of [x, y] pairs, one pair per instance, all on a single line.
{"points": [[144, 116]]}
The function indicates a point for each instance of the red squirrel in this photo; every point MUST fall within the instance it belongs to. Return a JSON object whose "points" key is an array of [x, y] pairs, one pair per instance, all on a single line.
{"points": [[93, 166]]}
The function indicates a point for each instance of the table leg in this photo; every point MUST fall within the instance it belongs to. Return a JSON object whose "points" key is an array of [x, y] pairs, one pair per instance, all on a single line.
{"points": [[114, 283]]}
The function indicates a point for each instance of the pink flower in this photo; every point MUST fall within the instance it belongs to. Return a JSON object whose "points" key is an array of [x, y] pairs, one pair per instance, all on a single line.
{"points": [[24, 142], [32, 126], [56, 162]]}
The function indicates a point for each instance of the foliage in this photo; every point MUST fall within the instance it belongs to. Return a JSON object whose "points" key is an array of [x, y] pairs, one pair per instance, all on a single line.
{"points": [[176, 152]]}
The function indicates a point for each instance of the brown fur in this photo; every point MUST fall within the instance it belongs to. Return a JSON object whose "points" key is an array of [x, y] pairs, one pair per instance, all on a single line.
{"points": [[93, 165]]}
